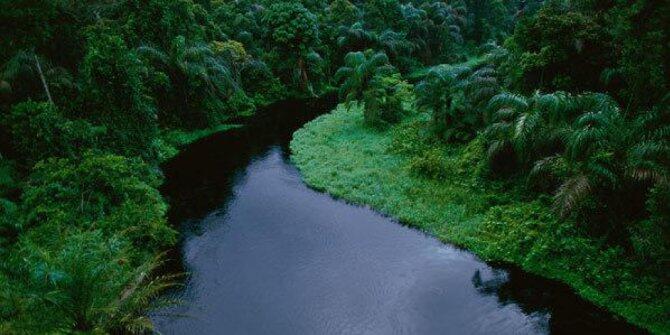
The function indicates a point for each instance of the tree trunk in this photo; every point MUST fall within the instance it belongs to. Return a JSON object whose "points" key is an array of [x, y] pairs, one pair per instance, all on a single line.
{"points": [[44, 81], [303, 73]]}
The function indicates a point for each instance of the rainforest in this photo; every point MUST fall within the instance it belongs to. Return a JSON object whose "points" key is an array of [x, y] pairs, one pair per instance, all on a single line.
{"points": [[334, 167]]}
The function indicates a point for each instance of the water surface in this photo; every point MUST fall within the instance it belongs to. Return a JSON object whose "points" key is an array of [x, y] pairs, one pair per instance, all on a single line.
{"points": [[268, 255]]}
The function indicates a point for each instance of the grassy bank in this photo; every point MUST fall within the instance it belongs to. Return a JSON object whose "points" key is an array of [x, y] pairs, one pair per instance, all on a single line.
{"points": [[176, 139], [437, 189]]}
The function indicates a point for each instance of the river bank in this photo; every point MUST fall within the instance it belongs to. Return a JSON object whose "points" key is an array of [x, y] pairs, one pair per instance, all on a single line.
{"points": [[437, 189]]}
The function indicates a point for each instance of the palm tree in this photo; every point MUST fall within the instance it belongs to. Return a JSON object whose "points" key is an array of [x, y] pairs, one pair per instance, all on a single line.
{"points": [[194, 62], [613, 158], [309, 66], [27, 62], [395, 44], [433, 27], [85, 285], [142, 294], [649, 158], [481, 86], [358, 71], [585, 150], [355, 38], [595, 152], [530, 127], [192, 70], [441, 93]]}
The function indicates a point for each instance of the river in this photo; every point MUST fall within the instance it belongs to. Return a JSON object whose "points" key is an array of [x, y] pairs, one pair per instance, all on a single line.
{"points": [[266, 254]]}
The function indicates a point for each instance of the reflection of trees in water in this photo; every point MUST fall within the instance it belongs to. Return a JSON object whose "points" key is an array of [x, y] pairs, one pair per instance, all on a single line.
{"points": [[489, 286], [202, 177], [534, 295]]}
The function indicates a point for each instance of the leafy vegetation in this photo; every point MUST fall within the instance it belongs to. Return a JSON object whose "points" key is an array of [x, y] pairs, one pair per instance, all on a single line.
{"points": [[563, 101]]}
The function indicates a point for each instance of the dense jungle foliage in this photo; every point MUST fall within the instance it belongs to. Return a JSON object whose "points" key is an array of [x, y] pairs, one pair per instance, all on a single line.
{"points": [[569, 99]]}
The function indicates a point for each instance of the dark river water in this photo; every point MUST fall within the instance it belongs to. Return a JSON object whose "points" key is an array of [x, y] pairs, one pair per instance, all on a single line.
{"points": [[267, 255]]}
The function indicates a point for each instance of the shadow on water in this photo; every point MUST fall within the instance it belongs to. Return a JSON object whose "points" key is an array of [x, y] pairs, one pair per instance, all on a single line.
{"points": [[200, 178], [268, 255]]}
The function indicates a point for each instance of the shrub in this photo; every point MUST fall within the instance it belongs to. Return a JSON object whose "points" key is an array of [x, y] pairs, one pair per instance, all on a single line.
{"points": [[386, 100], [39, 130], [431, 164], [112, 193]]}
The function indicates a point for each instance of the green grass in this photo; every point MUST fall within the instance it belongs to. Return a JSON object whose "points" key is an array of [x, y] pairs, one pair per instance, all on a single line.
{"points": [[180, 138], [437, 189]]}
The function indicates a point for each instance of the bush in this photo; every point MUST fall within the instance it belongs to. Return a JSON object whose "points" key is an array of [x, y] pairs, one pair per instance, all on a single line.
{"points": [[386, 100], [261, 84], [39, 130], [431, 164], [108, 192]]}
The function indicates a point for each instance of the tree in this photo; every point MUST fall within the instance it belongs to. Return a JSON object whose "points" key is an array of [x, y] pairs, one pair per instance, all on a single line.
{"points": [[380, 14], [598, 163], [358, 71], [106, 192], [490, 19], [234, 54], [435, 29], [441, 94], [355, 38], [558, 49], [114, 93], [398, 47], [39, 131], [26, 62], [240, 20], [83, 282], [368, 77], [640, 55], [342, 13], [614, 158], [25, 68], [386, 100], [525, 129], [200, 80], [158, 22], [294, 32]]}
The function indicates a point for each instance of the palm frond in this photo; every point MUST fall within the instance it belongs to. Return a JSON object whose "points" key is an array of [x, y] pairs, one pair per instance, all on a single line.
{"points": [[153, 53], [571, 193], [495, 148], [343, 72], [510, 100], [545, 166]]}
